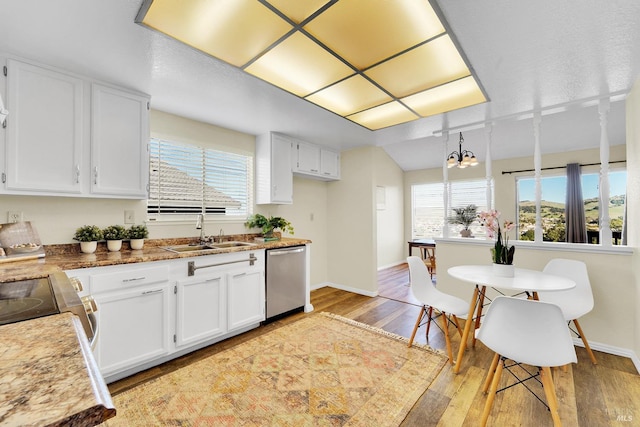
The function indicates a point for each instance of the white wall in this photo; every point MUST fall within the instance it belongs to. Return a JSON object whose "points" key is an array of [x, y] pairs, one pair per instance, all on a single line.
{"points": [[633, 201], [389, 180], [351, 226]]}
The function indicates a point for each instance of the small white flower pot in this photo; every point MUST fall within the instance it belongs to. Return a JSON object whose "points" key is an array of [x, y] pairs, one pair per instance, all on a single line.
{"points": [[136, 244], [114, 245], [88, 247], [503, 270]]}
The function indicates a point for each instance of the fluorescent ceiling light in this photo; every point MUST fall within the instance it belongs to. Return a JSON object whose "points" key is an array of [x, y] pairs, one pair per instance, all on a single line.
{"points": [[377, 63]]}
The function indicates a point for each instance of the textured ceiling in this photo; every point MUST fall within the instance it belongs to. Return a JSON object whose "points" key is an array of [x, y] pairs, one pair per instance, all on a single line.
{"points": [[528, 56]]}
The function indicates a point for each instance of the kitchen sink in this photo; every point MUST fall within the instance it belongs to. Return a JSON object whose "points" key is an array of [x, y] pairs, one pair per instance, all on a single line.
{"points": [[210, 247], [225, 245]]}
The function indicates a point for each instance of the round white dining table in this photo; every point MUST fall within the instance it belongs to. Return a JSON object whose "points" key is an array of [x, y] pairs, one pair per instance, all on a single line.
{"points": [[481, 276]]}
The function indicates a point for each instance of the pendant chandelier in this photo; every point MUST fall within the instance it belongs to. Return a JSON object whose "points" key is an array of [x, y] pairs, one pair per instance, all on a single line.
{"points": [[461, 158]]}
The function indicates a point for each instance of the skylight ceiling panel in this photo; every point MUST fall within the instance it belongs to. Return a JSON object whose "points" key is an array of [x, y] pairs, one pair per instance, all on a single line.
{"points": [[424, 67], [298, 10], [365, 32], [451, 96], [349, 96], [299, 66], [383, 116], [232, 30]]}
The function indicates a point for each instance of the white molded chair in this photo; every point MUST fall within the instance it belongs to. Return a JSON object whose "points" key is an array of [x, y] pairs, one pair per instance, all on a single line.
{"points": [[432, 299], [575, 302], [530, 332]]}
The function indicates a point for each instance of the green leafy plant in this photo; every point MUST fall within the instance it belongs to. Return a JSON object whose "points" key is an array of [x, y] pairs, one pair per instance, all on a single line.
{"points": [[138, 232], [88, 233], [269, 224], [464, 216], [114, 232], [501, 253]]}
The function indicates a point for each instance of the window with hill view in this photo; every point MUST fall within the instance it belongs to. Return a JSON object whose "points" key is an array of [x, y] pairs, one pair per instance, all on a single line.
{"points": [[553, 206]]}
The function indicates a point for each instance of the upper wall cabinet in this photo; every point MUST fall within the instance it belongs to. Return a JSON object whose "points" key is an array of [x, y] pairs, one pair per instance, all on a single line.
{"points": [[70, 136], [119, 135], [274, 178], [313, 161], [44, 130]]}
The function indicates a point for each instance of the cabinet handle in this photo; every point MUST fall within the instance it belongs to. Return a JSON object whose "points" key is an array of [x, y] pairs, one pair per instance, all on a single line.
{"points": [[314, 170], [77, 174], [95, 175], [155, 291], [215, 279], [133, 279]]}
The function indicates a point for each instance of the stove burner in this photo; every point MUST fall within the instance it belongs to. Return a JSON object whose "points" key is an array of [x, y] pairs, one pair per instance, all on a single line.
{"points": [[25, 300]]}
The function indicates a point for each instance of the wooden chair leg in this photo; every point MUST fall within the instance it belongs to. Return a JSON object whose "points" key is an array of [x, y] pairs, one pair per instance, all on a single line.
{"points": [[455, 320], [415, 328], [492, 394], [550, 393], [492, 370], [584, 341], [445, 330]]}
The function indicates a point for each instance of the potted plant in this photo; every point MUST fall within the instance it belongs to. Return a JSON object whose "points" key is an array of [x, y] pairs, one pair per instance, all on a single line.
{"points": [[114, 234], [88, 236], [464, 216], [136, 235], [268, 225]]}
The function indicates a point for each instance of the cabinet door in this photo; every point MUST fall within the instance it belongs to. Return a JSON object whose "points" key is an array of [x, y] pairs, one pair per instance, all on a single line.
{"points": [[133, 327], [201, 309], [308, 158], [119, 139], [281, 175], [330, 164], [44, 130], [246, 297]]}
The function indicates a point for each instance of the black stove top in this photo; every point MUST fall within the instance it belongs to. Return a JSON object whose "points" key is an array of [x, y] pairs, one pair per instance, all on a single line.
{"points": [[26, 299]]}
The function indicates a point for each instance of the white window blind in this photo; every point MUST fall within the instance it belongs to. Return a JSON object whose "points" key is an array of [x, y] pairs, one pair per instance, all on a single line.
{"points": [[187, 180], [427, 204]]}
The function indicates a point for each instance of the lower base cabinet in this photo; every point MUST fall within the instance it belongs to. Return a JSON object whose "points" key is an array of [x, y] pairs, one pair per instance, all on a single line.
{"points": [[134, 327], [201, 309], [151, 312]]}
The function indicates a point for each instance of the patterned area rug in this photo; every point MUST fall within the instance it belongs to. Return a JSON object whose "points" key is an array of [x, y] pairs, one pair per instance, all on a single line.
{"points": [[323, 370]]}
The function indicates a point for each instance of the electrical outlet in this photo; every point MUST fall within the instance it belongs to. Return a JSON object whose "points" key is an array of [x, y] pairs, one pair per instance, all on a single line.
{"points": [[14, 216], [129, 217]]}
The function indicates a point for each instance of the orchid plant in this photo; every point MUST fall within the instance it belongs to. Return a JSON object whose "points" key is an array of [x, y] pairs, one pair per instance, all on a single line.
{"points": [[501, 252]]}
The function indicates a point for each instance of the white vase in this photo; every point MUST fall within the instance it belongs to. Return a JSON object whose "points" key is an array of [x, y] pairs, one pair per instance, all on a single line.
{"points": [[136, 244], [503, 270], [114, 245], [88, 247]]}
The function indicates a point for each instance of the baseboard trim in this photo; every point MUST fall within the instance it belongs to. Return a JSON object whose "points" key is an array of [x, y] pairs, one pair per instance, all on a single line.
{"points": [[616, 351], [344, 288], [392, 265]]}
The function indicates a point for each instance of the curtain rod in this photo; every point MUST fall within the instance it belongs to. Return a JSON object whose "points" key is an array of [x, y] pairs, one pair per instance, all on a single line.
{"points": [[560, 167]]}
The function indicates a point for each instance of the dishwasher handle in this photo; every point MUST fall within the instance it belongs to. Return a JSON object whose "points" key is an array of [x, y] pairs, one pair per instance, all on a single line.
{"points": [[286, 252]]}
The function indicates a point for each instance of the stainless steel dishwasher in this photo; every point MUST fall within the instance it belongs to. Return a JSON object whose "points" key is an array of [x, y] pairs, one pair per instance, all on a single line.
{"points": [[286, 280]]}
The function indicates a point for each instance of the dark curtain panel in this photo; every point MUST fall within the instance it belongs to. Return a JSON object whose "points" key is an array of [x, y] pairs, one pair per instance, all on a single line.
{"points": [[574, 209]]}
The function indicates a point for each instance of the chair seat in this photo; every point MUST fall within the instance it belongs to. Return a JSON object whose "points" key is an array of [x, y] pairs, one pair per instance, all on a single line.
{"points": [[450, 304]]}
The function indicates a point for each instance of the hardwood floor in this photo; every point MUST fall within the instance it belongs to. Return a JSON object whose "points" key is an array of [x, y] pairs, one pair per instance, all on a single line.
{"points": [[589, 395]]}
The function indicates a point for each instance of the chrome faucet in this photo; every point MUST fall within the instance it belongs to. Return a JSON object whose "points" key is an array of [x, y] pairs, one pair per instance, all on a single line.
{"points": [[220, 236], [200, 226]]}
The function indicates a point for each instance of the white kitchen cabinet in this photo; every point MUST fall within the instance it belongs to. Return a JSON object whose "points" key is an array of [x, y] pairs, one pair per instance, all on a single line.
{"points": [[306, 158], [274, 176], [246, 297], [313, 161], [119, 138], [133, 315], [133, 327], [71, 136], [201, 308], [44, 142], [329, 164]]}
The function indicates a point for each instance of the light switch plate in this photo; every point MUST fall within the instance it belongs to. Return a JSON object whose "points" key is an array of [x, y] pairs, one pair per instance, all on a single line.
{"points": [[129, 217]]}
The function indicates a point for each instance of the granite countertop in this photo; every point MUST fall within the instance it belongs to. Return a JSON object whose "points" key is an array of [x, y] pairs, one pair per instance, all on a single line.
{"points": [[69, 257], [48, 375]]}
